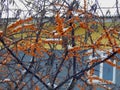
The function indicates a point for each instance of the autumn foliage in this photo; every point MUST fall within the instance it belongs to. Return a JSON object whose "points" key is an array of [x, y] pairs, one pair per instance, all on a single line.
{"points": [[40, 54]]}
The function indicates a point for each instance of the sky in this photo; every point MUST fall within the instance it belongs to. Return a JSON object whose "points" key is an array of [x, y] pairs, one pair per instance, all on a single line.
{"points": [[102, 3], [107, 3]]}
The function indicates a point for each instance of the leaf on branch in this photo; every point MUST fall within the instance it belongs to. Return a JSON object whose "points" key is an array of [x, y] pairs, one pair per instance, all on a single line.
{"points": [[37, 87], [83, 25], [19, 22], [60, 24]]}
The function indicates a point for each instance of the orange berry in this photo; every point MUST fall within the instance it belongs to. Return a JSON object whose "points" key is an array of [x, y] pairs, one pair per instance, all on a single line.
{"points": [[1, 33]]}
